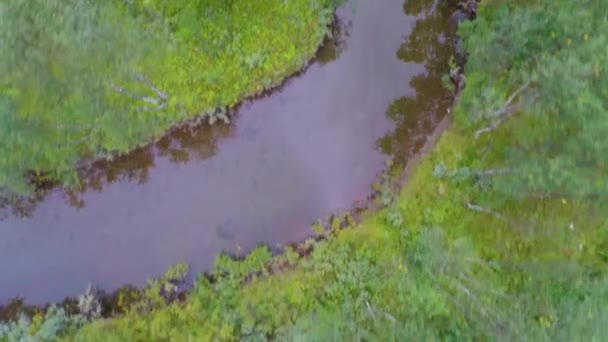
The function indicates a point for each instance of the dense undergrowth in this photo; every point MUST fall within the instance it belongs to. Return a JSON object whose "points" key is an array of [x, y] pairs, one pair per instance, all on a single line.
{"points": [[471, 258], [87, 79]]}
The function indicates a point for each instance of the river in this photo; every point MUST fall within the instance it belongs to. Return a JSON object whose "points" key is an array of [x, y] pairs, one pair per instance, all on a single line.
{"points": [[311, 148]]}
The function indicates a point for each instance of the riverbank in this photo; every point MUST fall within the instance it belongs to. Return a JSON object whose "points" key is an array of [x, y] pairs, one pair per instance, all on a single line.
{"points": [[458, 264], [307, 150], [188, 61]]}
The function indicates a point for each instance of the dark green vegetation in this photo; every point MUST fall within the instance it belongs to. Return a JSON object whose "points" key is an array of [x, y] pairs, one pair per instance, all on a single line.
{"points": [[503, 232], [84, 80]]}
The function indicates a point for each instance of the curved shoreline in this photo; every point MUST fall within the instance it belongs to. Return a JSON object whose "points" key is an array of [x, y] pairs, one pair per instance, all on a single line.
{"points": [[139, 214], [303, 248], [359, 210], [200, 118]]}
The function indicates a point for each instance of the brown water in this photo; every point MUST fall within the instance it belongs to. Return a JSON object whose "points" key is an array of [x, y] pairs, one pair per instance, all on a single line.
{"points": [[310, 149]]}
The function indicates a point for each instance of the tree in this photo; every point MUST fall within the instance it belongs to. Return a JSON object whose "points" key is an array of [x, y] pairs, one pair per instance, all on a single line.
{"points": [[549, 57]]}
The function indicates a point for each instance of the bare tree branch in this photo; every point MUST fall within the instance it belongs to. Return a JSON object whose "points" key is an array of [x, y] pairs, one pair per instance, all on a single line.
{"points": [[135, 96], [149, 84], [389, 317], [493, 172], [503, 112], [486, 211], [369, 308], [152, 108]]}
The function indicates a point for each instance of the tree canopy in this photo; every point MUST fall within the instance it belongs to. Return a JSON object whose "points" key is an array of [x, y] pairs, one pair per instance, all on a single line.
{"points": [[550, 58]]}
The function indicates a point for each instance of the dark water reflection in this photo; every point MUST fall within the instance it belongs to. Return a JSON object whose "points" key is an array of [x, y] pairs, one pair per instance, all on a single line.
{"points": [[335, 43], [431, 43], [308, 150]]}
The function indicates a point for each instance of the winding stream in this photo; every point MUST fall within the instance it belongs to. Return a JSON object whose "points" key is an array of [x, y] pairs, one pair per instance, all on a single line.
{"points": [[307, 150]]}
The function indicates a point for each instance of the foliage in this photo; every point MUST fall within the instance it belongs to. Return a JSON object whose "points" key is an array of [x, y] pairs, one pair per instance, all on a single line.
{"points": [[44, 324], [544, 63], [158, 292], [88, 79], [47, 328], [536, 272]]}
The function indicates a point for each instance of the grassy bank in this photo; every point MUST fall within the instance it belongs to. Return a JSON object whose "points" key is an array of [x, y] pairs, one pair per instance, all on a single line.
{"points": [[484, 250], [448, 272], [86, 80]]}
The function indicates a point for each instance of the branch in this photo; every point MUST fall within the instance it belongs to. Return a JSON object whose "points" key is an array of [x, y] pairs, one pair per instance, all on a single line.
{"points": [[486, 211], [493, 126], [493, 172], [135, 96], [514, 95], [149, 84], [465, 290], [503, 112], [369, 308]]}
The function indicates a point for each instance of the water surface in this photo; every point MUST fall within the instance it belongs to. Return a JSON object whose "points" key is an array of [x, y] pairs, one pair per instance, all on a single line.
{"points": [[309, 149]]}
